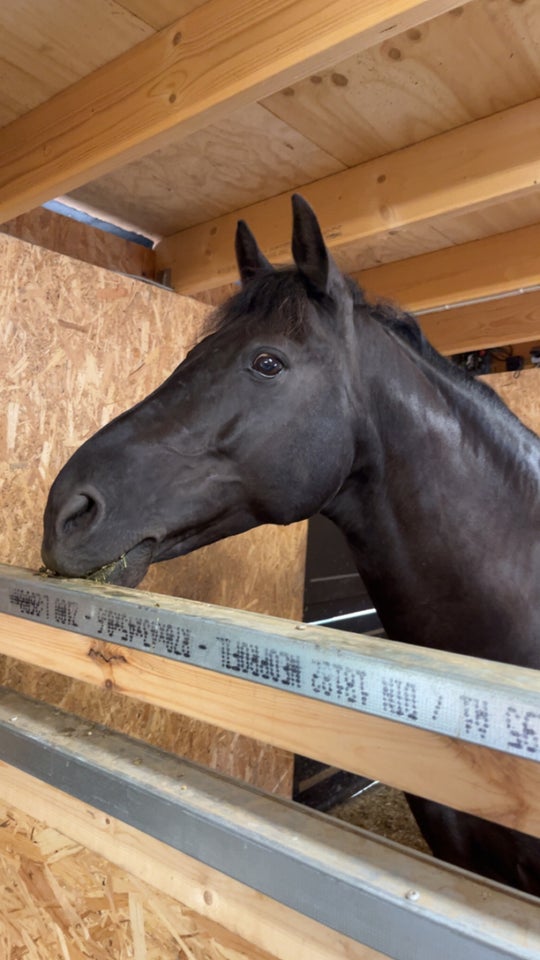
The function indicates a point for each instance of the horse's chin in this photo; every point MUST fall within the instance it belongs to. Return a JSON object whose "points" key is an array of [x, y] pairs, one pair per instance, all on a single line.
{"points": [[128, 570]]}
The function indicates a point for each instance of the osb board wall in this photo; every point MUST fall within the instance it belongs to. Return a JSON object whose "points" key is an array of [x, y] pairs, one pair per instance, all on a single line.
{"points": [[82, 241], [61, 901], [521, 392], [78, 345]]}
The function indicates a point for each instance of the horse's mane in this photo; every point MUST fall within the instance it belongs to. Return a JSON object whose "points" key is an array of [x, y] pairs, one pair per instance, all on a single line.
{"points": [[406, 328]]}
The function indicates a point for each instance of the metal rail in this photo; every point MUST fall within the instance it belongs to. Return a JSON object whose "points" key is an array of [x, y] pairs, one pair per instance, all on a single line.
{"points": [[403, 904], [494, 705]]}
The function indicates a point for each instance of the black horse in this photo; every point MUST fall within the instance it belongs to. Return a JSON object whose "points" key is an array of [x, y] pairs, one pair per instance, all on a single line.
{"points": [[307, 398]]}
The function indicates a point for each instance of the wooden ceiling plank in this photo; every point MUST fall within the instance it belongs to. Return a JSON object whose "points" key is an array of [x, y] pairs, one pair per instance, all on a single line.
{"points": [[470, 63], [249, 156], [465, 169], [46, 45], [220, 56], [160, 13], [483, 268]]}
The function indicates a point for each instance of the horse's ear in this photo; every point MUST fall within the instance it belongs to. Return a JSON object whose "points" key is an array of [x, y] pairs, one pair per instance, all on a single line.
{"points": [[248, 256], [308, 247]]}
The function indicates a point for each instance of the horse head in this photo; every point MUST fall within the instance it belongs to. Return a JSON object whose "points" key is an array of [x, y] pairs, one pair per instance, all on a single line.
{"points": [[251, 428]]}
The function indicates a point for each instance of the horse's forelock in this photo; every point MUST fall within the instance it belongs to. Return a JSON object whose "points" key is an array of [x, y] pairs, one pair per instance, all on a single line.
{"points": [[276, 301]]}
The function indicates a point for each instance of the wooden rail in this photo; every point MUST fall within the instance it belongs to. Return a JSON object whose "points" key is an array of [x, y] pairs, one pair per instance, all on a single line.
{"points": [[123, 799], [374, 895], [500, 786]]}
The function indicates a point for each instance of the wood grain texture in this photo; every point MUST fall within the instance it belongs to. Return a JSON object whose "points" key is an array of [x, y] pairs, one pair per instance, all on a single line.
{"points": [[216, 58], [512, 320], [160, 13], [244, 158], [466, 169], [410, 240], [462, 66], [79, 345], [521, 392], [469, 63], [494, 265], [75, 843], [499, 787], [81, 242], [63, 900], [46, 45]]}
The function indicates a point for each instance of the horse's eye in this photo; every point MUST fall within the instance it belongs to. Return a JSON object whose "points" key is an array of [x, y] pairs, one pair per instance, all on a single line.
{"points": [[267, 364]]}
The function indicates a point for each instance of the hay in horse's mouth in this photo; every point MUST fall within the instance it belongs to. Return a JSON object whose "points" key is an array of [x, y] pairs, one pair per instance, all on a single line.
{"points": [[103, 574], [100, 575], [127, 570]]}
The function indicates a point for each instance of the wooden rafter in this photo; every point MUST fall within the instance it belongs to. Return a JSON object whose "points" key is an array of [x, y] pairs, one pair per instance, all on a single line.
{"points": [[490, 268], [508, 321], [500, 264], [216, 58], [482, 163]]}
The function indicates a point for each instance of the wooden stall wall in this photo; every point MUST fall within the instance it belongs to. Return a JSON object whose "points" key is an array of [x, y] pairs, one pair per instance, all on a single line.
{"points": [[521, 392], [62, 901], [82, 241], [79, 344]]}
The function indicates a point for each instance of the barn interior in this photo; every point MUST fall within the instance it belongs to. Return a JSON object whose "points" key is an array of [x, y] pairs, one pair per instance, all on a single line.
{"points": [[133, 137]]}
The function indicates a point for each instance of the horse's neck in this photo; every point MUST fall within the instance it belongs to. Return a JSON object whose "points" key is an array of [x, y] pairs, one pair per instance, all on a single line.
{"points": [[439, 514]]}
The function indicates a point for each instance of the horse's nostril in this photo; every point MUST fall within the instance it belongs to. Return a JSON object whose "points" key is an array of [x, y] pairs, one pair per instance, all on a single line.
{"points": [[82, 512]]}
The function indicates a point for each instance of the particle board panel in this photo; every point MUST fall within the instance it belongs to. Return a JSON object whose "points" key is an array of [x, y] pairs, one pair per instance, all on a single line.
{"points": [[461, 66], [521, 392], [79, 345], [82, 242], [46, 45], [62, 900], [216, 900], [229, 164]]}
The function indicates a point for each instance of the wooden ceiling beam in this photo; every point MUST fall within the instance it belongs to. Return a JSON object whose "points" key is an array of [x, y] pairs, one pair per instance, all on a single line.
{"points": [[498, 323], [481, 163], [217, 57], [496, 265]]}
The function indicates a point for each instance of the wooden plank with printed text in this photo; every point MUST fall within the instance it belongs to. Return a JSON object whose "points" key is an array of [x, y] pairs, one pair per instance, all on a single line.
{"points": [[500, 787]]}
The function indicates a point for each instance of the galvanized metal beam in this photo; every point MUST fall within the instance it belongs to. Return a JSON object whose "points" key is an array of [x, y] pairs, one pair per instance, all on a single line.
{"points": [[403, 904], [476, 701]]}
